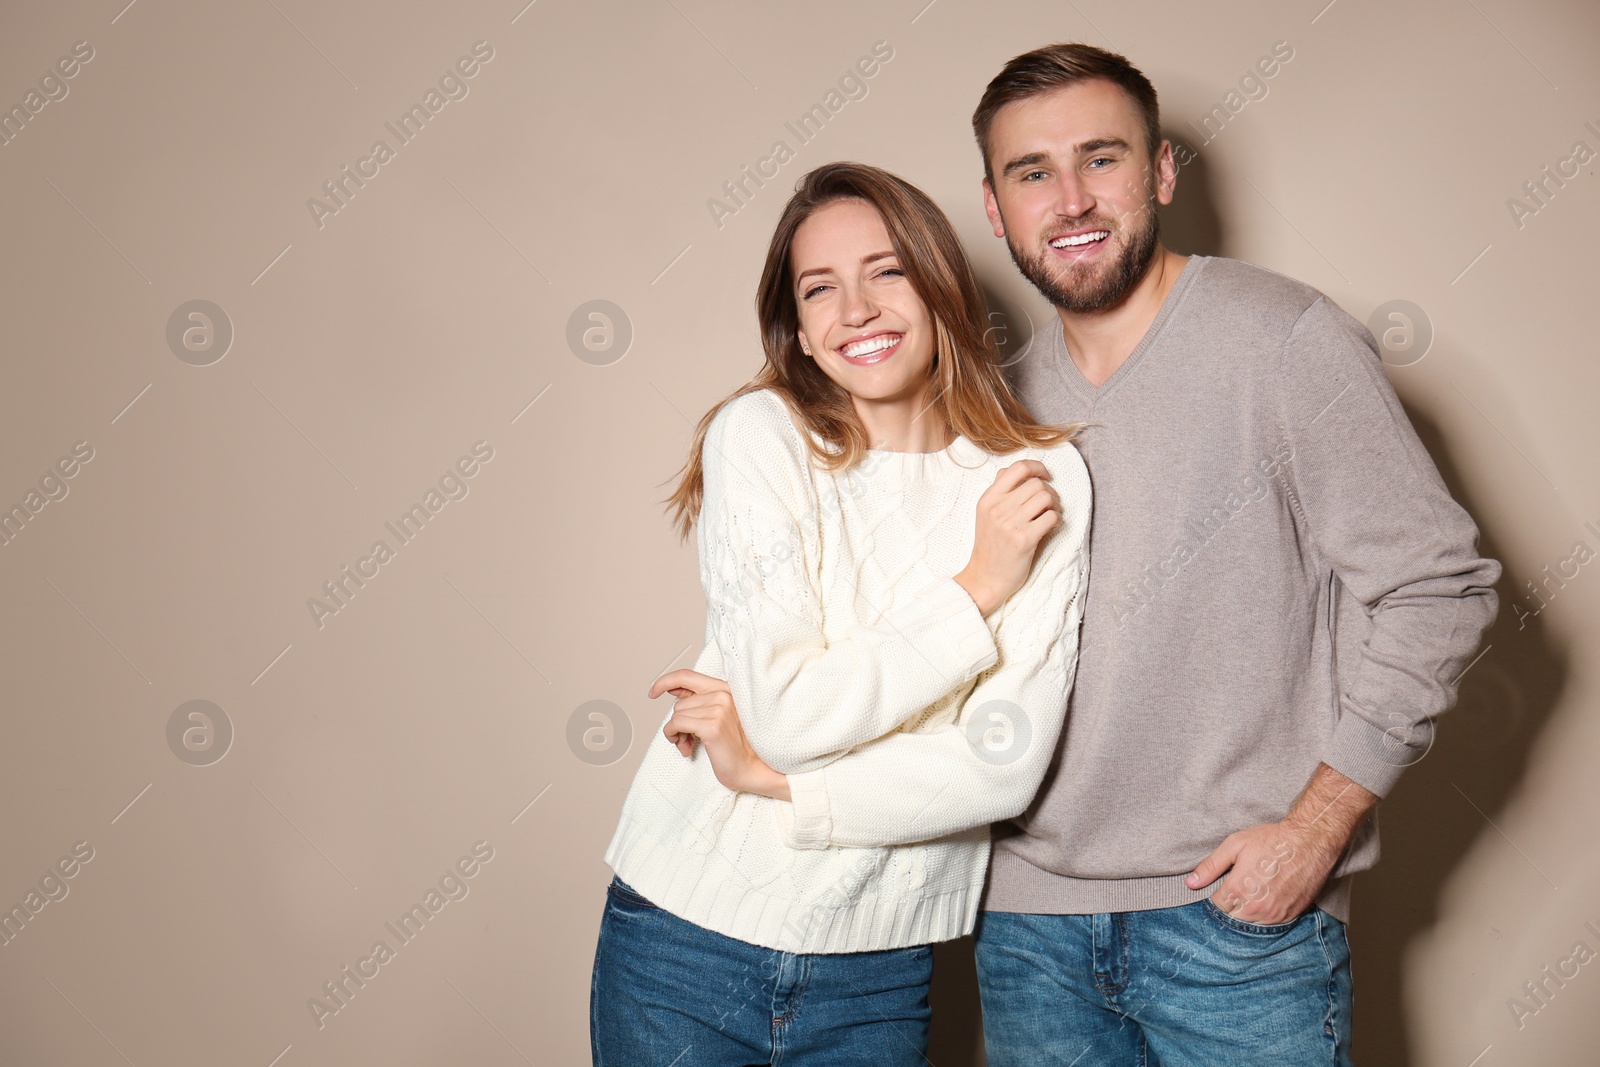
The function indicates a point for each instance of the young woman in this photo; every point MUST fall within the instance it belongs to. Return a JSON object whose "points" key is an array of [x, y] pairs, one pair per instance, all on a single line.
{"points": [[892, 554]]}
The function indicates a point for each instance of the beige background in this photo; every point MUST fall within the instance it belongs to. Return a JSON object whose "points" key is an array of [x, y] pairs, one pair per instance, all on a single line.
{"points": [[371, 352]]}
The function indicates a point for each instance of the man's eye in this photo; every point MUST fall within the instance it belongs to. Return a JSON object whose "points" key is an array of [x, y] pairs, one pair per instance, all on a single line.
{"points": [[1033, 174]]}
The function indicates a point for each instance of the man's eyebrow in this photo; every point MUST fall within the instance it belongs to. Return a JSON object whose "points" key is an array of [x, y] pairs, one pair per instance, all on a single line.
{"points": [[1098, 143], [1033, 159], [1030, 160], [865, 260]]}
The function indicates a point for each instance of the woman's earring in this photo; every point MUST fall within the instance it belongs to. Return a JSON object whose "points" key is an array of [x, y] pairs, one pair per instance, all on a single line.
{"points": [[805, 347]]}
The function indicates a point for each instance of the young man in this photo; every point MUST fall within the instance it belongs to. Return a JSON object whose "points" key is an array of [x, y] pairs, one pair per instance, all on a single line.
{"points": [[1283, 596]]}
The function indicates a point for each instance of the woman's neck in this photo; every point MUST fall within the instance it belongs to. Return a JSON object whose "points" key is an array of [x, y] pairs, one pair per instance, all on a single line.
{"points": [[904, 425]]}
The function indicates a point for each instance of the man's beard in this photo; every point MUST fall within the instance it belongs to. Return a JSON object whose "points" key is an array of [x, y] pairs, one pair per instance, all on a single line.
{"points": [[1057, 282]]}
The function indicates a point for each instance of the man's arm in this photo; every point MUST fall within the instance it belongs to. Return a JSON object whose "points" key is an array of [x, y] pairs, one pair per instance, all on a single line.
{"points": [[1279, 868], [1380, 517], [1372, 503]]}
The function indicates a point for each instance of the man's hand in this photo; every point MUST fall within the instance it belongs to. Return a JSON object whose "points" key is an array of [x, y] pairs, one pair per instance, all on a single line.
{"points": [[704, 711], [1274, 874], [1275, 870]]}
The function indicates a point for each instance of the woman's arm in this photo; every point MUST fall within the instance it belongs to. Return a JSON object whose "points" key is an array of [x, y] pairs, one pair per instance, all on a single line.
{"points": [[914, 786], [803, 698], [988, 764]]}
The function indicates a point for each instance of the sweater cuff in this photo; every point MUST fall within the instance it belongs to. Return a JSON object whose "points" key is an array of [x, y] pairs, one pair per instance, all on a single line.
{"points": [[1372, 756], [805, 819], [961, 630]]}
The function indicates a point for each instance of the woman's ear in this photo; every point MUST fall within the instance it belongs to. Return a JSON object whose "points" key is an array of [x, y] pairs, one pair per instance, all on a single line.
{"points": [[804, 347]]}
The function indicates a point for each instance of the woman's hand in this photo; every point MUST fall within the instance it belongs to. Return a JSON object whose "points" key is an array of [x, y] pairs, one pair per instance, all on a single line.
{"points": [[704, 711], [1014, 516]]}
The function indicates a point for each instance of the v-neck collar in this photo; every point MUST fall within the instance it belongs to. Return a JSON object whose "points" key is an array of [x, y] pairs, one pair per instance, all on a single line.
{"points": [[1073, 377]]}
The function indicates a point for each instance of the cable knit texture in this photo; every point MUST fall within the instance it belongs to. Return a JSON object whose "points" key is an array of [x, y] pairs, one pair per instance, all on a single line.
{"points": [[905, 719]]}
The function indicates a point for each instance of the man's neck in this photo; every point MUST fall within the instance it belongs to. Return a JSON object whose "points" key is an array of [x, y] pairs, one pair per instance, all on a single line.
{"points": [[1099, 341]]}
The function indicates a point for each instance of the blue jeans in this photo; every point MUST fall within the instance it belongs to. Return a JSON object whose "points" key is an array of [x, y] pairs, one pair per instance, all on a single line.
{"points": [[668, 993], [1186, 986]]}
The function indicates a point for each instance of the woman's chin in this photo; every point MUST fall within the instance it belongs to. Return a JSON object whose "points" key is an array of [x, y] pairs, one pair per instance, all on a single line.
{"points": [[884, 383]]}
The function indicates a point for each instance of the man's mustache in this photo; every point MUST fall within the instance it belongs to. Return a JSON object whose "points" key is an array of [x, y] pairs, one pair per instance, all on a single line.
{"points": [[1068, 225]]}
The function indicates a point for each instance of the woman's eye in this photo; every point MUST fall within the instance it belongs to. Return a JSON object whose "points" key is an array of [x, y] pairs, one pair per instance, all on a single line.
{"points": [[895, 271], [813, 289]]}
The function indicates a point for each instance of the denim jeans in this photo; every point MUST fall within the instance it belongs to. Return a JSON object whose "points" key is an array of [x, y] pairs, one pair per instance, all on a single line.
{"points": [[1186, 986], [668, 993]]}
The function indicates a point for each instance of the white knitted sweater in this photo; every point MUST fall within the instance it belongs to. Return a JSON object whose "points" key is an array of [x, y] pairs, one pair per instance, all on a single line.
{"points": [[906, 720]]}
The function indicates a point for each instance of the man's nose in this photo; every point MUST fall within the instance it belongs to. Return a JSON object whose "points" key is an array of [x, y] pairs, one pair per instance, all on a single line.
{"points": [[1074, 199]]}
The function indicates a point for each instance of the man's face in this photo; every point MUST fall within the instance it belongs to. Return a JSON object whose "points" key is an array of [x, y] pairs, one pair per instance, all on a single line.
{"points": [[1075, 193]]}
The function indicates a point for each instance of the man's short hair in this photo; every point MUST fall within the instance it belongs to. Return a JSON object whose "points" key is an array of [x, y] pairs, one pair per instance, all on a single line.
{"points": [[1056, 66]]}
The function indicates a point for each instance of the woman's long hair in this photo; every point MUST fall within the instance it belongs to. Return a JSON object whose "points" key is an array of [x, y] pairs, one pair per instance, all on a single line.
{"points": [[971, 394]]}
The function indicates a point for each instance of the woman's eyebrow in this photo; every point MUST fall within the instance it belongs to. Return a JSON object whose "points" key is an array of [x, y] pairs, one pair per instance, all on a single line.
{"points": [[865, 260]]}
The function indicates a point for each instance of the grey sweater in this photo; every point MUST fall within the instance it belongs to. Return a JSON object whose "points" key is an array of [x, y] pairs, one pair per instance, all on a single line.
{"points": [[1280, 578]]}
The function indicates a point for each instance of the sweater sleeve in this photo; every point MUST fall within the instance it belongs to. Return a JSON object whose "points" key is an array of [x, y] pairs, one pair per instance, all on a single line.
{"points": [[1379, 514], [986, 765], [802, 696]]}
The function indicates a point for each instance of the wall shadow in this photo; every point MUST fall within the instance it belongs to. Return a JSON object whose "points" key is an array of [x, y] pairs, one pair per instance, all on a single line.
{"points": [[1427, 824], [1190, 225]]}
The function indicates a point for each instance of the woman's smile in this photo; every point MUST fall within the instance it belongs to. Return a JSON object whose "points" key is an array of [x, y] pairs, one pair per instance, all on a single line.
{"points": [[870, 349]]}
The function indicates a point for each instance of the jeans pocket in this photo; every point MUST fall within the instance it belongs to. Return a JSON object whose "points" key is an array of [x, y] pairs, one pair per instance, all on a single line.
{"points": [[1254, 929], [621, 891]]}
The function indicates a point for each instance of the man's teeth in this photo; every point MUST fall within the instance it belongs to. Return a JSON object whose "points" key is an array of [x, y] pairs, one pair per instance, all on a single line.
{"points": [[871, 345], [1080, 239]]}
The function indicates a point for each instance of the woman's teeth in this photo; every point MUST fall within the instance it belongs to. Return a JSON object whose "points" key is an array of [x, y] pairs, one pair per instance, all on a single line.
{"points": [[872, 349]]}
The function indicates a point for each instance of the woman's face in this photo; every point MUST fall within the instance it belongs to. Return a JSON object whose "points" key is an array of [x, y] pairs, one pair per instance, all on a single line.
{"points": [[860, 318]]}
